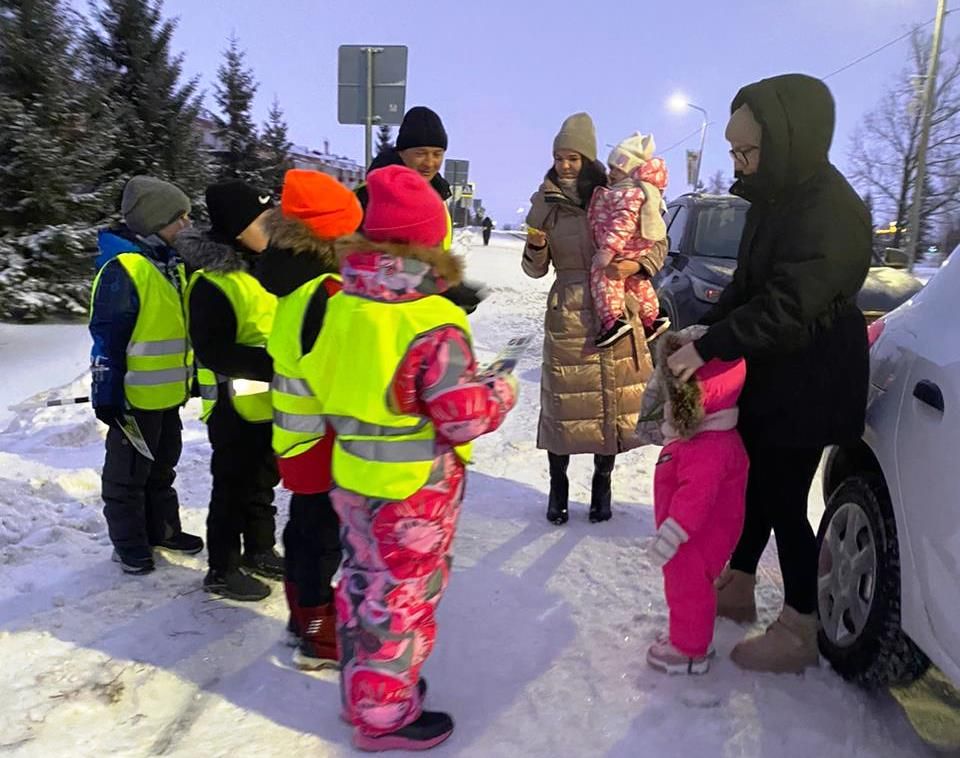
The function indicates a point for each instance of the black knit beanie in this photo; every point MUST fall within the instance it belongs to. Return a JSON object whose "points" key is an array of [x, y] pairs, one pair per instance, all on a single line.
{"points": [[233, 206], [421, 127]]}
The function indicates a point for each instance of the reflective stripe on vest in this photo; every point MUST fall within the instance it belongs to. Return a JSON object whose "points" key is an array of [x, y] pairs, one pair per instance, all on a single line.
{"points": [[159, 359], [298, 422], [253, 308], [378, 452]]}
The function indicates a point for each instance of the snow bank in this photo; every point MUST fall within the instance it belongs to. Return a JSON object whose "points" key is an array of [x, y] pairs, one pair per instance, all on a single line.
{"points": [[542, 633]]}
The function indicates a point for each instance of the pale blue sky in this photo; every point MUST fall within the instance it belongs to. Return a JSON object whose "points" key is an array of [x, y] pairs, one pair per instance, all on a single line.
{"points": [[503, 74]]}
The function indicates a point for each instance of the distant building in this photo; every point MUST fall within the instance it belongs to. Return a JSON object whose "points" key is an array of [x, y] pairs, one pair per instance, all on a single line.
{"points": [[345, 170]]}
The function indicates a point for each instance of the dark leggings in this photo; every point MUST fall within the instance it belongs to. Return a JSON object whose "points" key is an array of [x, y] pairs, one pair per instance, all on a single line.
{"points": [[777, 492]]}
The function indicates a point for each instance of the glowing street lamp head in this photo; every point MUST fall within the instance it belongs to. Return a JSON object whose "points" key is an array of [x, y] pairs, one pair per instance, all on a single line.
{"points": [[678, 102]]}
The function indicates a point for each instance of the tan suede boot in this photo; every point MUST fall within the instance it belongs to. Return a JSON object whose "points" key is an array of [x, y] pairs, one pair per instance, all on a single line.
{"points": [[788, 647], [736, 598]]}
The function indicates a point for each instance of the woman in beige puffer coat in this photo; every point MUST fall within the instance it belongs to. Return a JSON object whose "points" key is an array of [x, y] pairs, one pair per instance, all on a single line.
{"points": [[589, 398]]}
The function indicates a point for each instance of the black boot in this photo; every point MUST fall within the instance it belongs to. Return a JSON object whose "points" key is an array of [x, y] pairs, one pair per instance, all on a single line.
{"points": [[235, 585], [600, 493], [557, 512], [266, 564]]}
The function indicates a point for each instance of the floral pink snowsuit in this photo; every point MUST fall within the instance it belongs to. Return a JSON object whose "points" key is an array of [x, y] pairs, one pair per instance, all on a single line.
{"points": [[614, 217], [397, 555], [701, 483]]}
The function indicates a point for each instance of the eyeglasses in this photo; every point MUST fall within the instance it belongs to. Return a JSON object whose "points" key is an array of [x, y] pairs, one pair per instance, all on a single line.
{"points": [[742, 156]]}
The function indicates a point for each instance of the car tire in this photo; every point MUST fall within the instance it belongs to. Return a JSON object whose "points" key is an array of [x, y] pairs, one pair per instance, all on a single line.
{"points": [[858, 589]]}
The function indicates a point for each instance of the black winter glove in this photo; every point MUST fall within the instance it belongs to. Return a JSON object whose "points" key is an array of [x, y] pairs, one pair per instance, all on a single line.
{"points": [[467, 296], [108, 414]]}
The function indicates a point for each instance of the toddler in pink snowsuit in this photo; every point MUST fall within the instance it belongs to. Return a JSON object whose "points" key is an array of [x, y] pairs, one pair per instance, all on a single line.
{"points": [[699, 498], [626, 220]]}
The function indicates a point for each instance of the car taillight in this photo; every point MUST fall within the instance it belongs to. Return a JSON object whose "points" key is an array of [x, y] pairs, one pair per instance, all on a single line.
{"points": [[874, 331]]}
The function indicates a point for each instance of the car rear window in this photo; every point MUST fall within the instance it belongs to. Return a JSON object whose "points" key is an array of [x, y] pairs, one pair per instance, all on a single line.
{"points": [[718, 230]]}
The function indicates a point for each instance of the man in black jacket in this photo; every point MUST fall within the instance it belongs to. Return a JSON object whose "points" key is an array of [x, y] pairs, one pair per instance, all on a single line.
{"points": [[422, 145], [791, 312], [230, 315]]}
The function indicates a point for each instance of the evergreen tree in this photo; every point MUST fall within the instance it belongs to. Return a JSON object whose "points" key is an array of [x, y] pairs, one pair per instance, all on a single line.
{"points": [[719, 184], [55, 138], [238, 152], [275, 148], [155, 113], [384, 138]]}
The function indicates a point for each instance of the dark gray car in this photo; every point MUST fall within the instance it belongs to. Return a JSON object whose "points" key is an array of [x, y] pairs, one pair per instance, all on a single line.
{"points": [[704, 236]]}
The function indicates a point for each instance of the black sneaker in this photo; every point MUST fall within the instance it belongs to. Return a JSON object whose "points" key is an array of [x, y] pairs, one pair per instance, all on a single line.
{"points": [[267, 564], [614, 334], [188, 544], [658, 327], [428, 731], [134, 560], [235, 585]]}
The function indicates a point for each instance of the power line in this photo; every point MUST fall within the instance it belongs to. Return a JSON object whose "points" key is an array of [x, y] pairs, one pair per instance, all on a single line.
{"points": [[880, 49], [675, 145]]}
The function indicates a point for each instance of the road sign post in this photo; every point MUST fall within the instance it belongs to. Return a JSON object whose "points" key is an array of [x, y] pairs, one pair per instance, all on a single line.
{"points": [[372, 84]]}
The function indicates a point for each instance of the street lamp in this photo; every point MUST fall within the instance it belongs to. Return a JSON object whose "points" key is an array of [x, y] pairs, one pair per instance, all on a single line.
{"points": [[678, 103]]}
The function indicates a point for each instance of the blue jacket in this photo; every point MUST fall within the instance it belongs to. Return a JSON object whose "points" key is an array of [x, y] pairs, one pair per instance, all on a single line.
{"points": [[115, 307]]}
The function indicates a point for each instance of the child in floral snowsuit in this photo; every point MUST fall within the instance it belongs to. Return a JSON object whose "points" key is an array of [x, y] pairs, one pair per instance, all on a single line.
{"points": [[397, 550], [626, 221]]}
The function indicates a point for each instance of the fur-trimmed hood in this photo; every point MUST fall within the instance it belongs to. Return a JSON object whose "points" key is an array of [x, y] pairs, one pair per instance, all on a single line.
{"points": [[200, 251], [294, 235], [393, 271], [672, 408]]}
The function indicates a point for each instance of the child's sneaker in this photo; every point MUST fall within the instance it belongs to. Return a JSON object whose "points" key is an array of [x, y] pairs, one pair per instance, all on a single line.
{"points": [[428, 731], [664, 657], [614, 334], [657, 328]]}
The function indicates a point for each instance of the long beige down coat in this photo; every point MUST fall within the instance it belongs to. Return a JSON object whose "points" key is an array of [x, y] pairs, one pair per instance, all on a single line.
{"points": [[589, 398]]}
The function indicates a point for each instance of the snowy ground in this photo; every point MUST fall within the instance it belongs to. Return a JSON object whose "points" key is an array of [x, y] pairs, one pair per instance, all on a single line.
{"points": [[542, 636]]}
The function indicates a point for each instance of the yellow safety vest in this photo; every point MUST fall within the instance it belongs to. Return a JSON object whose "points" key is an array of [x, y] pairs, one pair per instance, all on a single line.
{"points": [[298, 422], [254, 309], [159, 358], [378, 452]]}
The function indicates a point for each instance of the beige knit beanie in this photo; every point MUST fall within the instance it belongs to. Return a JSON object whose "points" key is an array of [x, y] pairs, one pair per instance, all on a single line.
{"points": [[578, 134], [743, 129]]}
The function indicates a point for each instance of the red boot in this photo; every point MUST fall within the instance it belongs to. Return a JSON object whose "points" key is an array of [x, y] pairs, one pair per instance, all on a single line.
{"points": [[318, 639], [294, 623]]}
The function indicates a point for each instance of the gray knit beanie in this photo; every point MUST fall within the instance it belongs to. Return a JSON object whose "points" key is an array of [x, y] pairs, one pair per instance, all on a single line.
{"points": [[149, 204], [579, 134]]}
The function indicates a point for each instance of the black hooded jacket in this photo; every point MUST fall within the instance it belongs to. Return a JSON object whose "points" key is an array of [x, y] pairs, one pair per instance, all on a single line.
{"points": [[213, 324], [805, 252]]}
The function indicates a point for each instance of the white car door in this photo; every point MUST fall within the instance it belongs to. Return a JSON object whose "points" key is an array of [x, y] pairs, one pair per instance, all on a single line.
{"points": [[928, 456]]}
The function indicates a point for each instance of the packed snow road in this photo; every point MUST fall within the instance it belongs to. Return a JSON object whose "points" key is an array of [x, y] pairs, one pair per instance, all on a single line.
{"points": [[542, 632]]}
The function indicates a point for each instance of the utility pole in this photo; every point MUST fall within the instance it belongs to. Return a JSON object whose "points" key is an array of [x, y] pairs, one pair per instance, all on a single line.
{"points": [[929, 101]]}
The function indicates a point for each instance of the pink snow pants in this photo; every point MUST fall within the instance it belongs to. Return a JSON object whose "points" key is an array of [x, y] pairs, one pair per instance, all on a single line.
{"points": [[689, 576]]}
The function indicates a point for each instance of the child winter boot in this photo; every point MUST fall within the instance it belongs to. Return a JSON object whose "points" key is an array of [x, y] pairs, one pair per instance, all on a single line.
{"points": [[789, 645], [736, 598], [318, 639], [428, 731], [617, 331], [557, 507], [600, 492]]}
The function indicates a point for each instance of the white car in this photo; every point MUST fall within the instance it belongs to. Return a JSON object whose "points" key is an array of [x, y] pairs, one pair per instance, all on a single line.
{"points": [[889, 572]]}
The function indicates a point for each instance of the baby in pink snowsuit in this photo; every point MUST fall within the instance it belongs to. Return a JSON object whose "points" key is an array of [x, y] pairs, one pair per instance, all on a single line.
{"points": [[699, 492], [626, 221]]}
